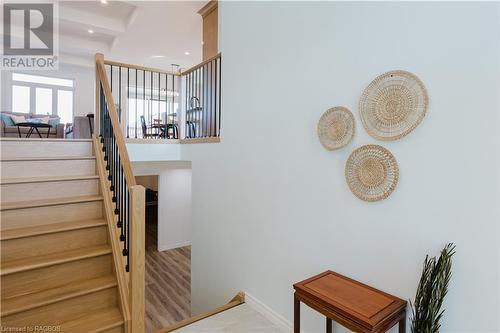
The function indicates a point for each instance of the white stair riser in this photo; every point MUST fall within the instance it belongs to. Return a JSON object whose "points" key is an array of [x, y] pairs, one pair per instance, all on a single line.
{"points": [[47, 168], [48, 190], [41, 148], [21, 218], [35, 246]]}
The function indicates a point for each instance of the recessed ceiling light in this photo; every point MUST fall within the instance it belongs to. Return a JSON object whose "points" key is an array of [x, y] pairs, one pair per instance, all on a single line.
{"points": [[157, 56], [104, 2], [90, 31], [187, 53]]}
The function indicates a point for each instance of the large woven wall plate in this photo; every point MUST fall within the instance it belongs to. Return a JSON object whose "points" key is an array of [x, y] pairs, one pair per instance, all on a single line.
{"points": [[336, 128], [371, 172], [393, 105]]}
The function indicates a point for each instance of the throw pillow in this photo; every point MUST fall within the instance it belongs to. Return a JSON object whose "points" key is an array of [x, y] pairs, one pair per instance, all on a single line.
{"points": [[45, 120], [18, 119], [7, 120], [54, 121]]}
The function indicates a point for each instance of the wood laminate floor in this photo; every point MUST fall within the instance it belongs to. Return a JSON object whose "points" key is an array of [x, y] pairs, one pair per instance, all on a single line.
{"points": [[168, 283]]}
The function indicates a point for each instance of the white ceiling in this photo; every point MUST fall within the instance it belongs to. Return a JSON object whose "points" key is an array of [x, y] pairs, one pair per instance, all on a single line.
{"points": [[131, 32]]}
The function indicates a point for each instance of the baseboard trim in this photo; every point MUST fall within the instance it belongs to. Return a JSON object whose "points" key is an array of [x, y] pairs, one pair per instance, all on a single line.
{"points": [[269, 313], [173, 246]]}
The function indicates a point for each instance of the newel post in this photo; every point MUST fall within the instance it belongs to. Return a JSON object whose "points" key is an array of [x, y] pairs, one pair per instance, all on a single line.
{"points": [[99, 59], [137, 257]]}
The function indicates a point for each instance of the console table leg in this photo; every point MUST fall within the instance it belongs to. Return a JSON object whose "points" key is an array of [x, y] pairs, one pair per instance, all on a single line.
{"points": [[328, 325], [402, 325], [296, 314]]}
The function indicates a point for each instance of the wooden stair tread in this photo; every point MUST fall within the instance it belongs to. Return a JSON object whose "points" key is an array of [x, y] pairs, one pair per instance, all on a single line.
{"points": [[30, 301], [95, 322], [49, 202], [26, 264], [6, 181], [49, 229], [48, 158]]}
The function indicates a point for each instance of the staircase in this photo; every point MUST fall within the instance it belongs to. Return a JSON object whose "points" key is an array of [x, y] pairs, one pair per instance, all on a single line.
{"points": [[57, 263]]}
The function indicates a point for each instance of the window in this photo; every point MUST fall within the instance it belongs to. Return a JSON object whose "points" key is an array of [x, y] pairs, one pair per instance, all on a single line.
{"points": [[20, 99], [43, 95], [65, 106]]}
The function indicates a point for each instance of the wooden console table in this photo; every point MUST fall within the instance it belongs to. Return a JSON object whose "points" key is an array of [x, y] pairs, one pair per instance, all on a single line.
{"points": [[352, 304]]}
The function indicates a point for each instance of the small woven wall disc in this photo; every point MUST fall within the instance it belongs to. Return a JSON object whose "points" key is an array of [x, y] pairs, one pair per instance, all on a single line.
{"points": [[393, 105], [371, 172], [336, 128]]}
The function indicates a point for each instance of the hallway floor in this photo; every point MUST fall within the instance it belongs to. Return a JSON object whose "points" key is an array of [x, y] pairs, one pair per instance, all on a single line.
{"points": [[240, 319], [168, 283]]}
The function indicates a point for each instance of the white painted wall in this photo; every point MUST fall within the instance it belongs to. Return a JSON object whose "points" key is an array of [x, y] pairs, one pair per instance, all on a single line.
{"points": [[175, 209], [271, 206], [153, 152], [174, 200]]}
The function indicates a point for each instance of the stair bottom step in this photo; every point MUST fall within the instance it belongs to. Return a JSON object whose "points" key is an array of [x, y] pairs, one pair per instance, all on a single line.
{"points": [[104, 321]]}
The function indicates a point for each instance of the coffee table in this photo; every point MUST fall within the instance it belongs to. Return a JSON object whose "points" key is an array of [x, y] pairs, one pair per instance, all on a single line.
{"points": [[33, 127], [354, 305]]}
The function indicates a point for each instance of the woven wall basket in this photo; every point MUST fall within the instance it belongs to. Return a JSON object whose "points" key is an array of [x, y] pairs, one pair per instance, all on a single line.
{"points": [[393, 105], [371, 172], [336, 128]]}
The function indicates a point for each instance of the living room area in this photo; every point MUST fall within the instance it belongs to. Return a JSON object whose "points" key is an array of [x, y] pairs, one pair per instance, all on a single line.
{"points": [[60, 103], [47, 104]]}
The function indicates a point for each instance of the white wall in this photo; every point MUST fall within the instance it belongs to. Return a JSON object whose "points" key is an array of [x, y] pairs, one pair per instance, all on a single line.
{"points": [[174, 200], [271, 206], [174, 209], [153, 152]]}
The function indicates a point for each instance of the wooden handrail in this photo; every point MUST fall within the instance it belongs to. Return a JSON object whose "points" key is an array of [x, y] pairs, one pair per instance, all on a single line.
{"points": [[201, 64], [115, 122], [131, 295], [141, 68], [235, 301]]}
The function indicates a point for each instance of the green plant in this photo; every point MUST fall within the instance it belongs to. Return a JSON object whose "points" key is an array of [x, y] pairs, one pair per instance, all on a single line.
{"points": [[432, 288]]}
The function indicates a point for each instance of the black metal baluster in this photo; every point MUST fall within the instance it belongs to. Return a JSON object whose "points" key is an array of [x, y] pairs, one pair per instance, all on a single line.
{"points": [[211, 76], [191, 90], [120, 94], [166, 106], [135, 103], [150, 104], [160, 120], [127, 236], [111, 75], [205, 102], [220, 94], [128, 101], [175, 129], [215, 99], [197, 93]]}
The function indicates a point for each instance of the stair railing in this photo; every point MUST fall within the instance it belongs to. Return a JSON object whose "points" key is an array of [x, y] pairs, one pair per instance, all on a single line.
{"points": [[128, 199], [201, 85]]}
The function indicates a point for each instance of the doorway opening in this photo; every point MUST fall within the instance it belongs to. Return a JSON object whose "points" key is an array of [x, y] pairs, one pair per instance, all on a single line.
{"points": [[168, 271]]}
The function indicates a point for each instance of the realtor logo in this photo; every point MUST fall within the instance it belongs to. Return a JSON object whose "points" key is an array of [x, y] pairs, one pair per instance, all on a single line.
{"points": [[29, 36]]}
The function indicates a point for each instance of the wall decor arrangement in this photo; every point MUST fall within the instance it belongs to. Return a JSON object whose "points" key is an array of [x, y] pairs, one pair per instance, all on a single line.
{"points": [[393, 105], [371, 172], [336, 128]]}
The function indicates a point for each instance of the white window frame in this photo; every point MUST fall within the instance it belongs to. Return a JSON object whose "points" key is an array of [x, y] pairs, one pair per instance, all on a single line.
{"points": [[33, 87]]}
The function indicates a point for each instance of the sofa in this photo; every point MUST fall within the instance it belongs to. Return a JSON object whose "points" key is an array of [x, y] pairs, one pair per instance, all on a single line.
{"points": [[9, 129]]}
